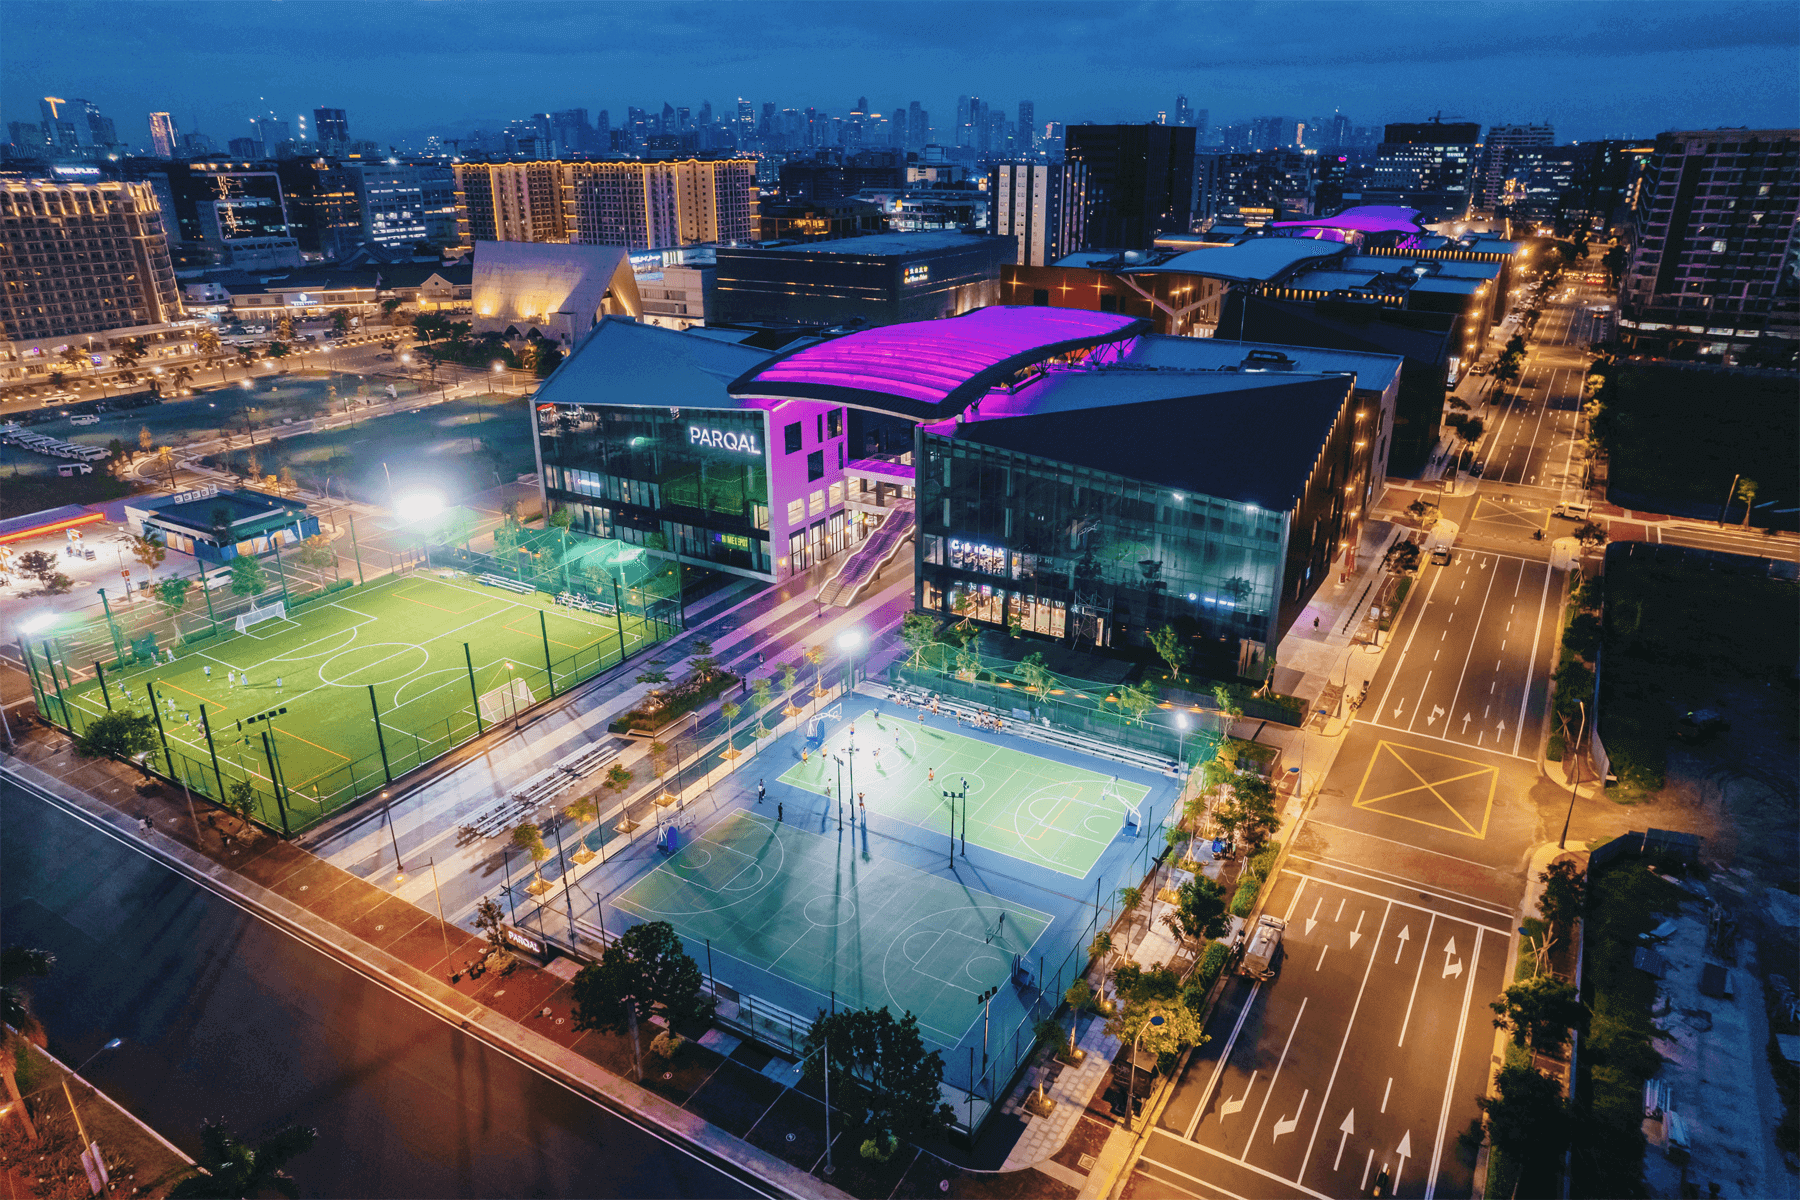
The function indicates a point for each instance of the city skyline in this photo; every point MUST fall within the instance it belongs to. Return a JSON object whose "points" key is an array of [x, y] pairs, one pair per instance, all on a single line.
{"points": [[1673, 66]]}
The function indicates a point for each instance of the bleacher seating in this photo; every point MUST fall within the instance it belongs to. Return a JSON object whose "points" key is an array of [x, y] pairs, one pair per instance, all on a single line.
{"points": [[589, 759], [542, 786], [500, 581], [571, 600]]}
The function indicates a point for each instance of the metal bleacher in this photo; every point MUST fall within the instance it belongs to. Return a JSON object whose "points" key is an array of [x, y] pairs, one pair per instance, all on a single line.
{"points": [[540, 789], [501, 581]]}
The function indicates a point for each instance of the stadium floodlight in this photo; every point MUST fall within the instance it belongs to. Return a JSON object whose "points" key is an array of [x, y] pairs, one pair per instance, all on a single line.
{"points": [[850, 639], [32, 624], [414, 507]]}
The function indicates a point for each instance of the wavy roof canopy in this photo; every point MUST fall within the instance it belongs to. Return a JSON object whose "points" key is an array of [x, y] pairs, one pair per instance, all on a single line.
{"points": [[926, 369], [1365, 218]]}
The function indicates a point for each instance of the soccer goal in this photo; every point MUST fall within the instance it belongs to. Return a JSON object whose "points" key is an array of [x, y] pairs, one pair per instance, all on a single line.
{"points": [[268, 612], [501, 703]]}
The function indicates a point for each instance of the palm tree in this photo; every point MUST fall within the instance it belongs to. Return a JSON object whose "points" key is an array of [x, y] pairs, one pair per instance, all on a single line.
{"points": [[731, 710], [17, 964], [582, 811], [1746, 491], [229, 1167]]}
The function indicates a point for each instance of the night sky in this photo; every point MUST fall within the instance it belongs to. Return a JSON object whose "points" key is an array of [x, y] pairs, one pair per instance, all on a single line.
{"points": [[404, 70]]}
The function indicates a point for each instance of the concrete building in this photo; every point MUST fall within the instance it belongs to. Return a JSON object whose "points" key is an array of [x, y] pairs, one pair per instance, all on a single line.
{"points": [[1041, 206], [879, 280], [1140, 182], [1497, 161], [1428, 165], [679, 297], [561, 291], [400, 204], [215, 525], [510, 202], [1713, 271], [653, 205], [162, 134]]}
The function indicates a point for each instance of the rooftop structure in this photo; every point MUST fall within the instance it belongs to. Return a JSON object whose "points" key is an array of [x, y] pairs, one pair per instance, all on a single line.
{"points": [[931, 369], [1368, 218], [1259, 260], [560, 290]]}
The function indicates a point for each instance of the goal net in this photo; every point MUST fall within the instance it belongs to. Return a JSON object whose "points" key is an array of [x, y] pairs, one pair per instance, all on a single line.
{"points": [[499, 704], [267, 612]]}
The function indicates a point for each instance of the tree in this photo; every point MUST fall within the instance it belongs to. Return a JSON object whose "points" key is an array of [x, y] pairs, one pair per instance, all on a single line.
{"points": [[1137, 699], [546, 360], [919, 631], [1526, 1119], [644, 972], [316, 551], [210, 346], [37, 564], [388, 306], [1614, 262], [1148, 993], [1539, 1012], [229, 1167], [247, 576], [490, 918], [1200, 909], [276, 349], [1746, 491], [17, 964], [1036, 675], [1130, 897], [529, 838], [240, 798], [1564, 889], [146, 442], [1167, 644], [149, 550], [730, 709], [284, 327], [340, 321], [75, 356], [174, 595], [1248, 808], [882, 1078], [703, 661], [815, 657], [1471, 430], [118, 734], [1230, 698]]}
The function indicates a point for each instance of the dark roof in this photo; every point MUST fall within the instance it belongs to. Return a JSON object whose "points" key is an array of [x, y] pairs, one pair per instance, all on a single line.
{"points": [[1305, 324], [1252, 439]]}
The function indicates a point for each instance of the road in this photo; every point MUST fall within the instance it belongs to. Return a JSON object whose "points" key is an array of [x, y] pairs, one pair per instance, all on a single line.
{"points": [[223, 1013]]}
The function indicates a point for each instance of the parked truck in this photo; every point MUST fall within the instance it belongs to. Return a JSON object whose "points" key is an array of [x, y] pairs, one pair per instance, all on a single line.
{"points": [[1263, 953]]}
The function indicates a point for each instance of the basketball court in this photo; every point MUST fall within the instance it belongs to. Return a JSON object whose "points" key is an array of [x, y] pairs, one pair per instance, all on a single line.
{"points": [[813, 911], [1033, 809]]}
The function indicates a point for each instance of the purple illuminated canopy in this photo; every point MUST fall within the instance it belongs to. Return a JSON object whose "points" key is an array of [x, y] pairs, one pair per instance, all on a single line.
{"points": [[931, 368], [1367, 218]]}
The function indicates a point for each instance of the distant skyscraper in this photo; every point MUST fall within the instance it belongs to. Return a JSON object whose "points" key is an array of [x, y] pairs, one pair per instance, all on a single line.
{"points": [[918, 126], [74, 124], [1027, 127], [1430, 163], [1496, 158], [963, 132], [1184, 115], [746, 120], [331, 125], [162, 134], [1040, 205], [1140, 182], [271, 131]]}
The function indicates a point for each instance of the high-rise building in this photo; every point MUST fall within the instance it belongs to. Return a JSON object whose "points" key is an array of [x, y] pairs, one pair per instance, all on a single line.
{"points": [[331, 127], [83, 258], [964, 134], [569, 131], [322, 209], [402, 203], [162, 134], [602, 131], [1184, 115], [510, 202], [1496, 155], [271, 131], [1430, 165], [918, 126], [651, 205], [1027, 128], [1712, 271], [1140, 182], [76, 124], [1041, 206]]}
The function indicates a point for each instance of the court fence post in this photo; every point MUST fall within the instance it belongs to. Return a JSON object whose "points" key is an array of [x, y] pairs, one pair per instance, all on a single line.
{"points": [[38, 694], [150, 690], [549, 669], [206, 595], [218, 776], [275, 787], [100, 673], [380, 741], [354, 549]]}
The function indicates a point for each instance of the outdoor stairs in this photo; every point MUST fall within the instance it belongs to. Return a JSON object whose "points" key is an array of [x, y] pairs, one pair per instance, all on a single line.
{"points": [[860, 567]]}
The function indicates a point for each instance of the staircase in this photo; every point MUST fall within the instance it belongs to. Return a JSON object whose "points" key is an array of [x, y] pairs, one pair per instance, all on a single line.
{"points": [[843, 588]]}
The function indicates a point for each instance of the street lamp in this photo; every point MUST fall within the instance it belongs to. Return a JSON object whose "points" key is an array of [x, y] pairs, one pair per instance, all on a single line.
{"points": [[850, 641], [1181, 724], [1156, 1020], [1568, 749]]}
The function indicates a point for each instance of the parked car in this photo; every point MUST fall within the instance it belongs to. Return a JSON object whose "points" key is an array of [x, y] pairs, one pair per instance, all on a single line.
{"points": [[1440, 556]]}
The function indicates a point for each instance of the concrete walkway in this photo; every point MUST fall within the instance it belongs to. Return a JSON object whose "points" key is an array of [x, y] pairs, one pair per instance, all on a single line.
{"points": [[1071, 1091]]}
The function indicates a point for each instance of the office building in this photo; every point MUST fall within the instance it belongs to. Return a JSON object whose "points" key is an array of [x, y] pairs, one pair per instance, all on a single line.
{"points": [[1027, 129], [1428, 165], [76, 127], [1712, 271], [801, 221], [162, 135], [1140, 182], [678, 297], [82, 259], [1497, 160], [324, 212], [830, 176], [510, 202], [884, 279], [217, 525], [658, 204], [331, 127], [1041, 206], [401, 204]]}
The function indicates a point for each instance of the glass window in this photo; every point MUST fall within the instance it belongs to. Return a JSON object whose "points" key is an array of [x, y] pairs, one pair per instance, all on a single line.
{"points": [[815, 465], [792, 435], [796, 512], [834, 422], [817, 502], [835, 493]]}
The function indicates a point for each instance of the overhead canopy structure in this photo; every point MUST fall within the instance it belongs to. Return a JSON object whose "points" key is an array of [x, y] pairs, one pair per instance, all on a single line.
{"points": [[1366, 218], [1259, 260], [932, 369]]}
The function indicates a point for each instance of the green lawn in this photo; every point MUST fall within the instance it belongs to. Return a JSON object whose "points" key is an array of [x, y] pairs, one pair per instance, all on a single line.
{"points": [[405, 636], [810, 909], [1028, 807]]}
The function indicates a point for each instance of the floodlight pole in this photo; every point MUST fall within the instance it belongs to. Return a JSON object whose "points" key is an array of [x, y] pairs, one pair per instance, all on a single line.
{"points": [[475, 696], [218, 776], [619, 615], [549, 671], [100, 673]]}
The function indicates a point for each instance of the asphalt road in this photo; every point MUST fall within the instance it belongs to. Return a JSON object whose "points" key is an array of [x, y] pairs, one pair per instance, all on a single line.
{"points": [[224, 1014]]}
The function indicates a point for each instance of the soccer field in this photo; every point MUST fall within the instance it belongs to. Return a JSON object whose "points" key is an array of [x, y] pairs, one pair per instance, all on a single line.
{"points": [[1031, 808], [810, 909], [405, 636]]}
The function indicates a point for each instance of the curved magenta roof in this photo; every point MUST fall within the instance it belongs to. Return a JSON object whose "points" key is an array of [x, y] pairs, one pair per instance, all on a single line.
{"points": [[927, 369], [1367, 218]]}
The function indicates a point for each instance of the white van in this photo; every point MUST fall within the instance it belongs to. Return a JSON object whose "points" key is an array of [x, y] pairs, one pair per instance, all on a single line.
{"points": [[73, 469], [1573, 510], [84, 419]]}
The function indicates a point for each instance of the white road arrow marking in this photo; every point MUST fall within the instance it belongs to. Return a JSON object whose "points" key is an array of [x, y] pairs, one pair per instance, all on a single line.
{"points": [[1436, 712], [1347, 1128], [1466, 719], [1398, 707], [1405, 1152], [1232, 1106], [1503, 728], [1288, 1124], [1405, 936], [1356, 934], [1451, 968], [1314, 919]]}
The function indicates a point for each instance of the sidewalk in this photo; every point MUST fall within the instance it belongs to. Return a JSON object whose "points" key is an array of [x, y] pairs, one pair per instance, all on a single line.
{"points": [[1318, 648]]}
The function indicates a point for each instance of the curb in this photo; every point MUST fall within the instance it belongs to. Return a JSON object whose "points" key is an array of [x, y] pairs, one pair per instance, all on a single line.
{"points": [[619, 1096]]}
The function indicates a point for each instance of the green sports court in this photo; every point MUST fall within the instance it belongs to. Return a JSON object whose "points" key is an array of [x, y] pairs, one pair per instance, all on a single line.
{"points": [[405, 636], [812, 910], [1031, 808]]}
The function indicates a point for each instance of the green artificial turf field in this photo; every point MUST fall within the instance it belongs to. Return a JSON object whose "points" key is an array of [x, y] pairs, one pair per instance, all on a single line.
{"points": [[810, 909], [1031, 808], [405, 636]]}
